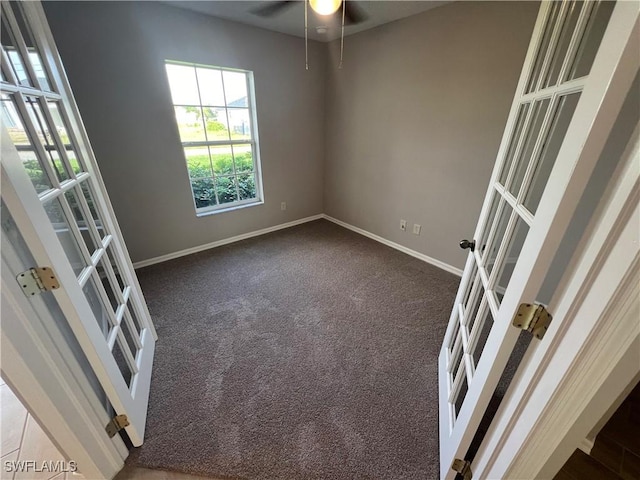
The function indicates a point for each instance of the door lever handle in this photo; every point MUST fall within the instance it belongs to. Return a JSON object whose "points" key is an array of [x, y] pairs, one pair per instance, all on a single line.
{"points": [[471, 245]]}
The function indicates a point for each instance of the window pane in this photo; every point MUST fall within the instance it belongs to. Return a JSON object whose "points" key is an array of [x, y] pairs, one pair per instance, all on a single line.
{"points": [[204, 192], [198, 162], [226, 189], [222, 160], [243, 158], [210, 83], [65, 235], [247, 186], [239, 124], [190, 124], [235, 88], [30, 161], [183, 84], [217, 123]]}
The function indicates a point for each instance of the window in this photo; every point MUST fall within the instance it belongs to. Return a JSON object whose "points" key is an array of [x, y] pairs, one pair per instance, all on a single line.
{"points": [[215, 113]]}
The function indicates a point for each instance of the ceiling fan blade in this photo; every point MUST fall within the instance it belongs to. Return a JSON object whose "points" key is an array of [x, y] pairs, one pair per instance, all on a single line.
{"points": [[272, 8], [353, 14]]}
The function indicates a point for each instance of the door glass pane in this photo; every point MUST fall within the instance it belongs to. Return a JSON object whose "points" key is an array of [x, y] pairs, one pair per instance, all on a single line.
{"points": [[15, 59], [483, 328], [116, 269], [462, 393], [134, 316], [473, 279], [97, 306], [473, 312], [560, 52], [18, 134], [553, 142], [87, 192], [130, 338], [513, 253], [65, 235], [58, 122], [486, 229], [72, 200], [121, 361], [590, 42], [543, 47], [456, 354], [107, 284], [43, 131], [513, 143], [532, 134], [34, 55], [498, 237]]}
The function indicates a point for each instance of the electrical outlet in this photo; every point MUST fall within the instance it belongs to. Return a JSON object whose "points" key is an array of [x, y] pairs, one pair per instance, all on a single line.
{"points": [[403, 225], [416, 229], [283, 206]]}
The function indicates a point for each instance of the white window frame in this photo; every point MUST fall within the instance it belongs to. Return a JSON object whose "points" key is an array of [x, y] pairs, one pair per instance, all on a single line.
{"points": [[253, 142]]}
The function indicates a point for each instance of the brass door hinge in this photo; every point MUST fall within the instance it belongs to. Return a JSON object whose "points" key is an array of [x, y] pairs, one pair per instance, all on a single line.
{"points": [[116, 424], [463, 467], [533, 318], [37, 280]]}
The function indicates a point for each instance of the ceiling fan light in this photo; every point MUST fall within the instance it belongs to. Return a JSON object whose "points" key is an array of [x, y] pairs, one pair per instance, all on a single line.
{"points": [[325, 7]]}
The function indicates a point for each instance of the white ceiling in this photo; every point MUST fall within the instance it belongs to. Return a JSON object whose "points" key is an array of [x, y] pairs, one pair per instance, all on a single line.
{"points": [[291, 20]]}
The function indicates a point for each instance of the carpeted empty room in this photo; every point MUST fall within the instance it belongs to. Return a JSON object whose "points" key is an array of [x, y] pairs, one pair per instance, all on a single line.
{"points": [[310, 352]]}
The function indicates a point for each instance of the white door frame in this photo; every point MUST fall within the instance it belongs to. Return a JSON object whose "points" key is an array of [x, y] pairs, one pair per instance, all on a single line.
{"points": [[591, 352], [47, 382]]}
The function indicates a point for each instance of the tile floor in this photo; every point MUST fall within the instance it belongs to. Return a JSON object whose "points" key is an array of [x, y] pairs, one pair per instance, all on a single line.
{"points": [[22, 439]]}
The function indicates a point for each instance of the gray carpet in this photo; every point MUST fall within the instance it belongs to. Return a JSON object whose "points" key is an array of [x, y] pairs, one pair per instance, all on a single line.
{"points": [[307, 353]]}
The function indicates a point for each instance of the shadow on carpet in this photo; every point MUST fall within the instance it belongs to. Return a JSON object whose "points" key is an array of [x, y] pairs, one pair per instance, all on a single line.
{"points": [[307, 353]]}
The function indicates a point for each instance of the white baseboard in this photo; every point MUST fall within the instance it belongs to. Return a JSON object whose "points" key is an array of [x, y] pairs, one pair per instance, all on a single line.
{"points": [[225, 241], [256, 233], [397, 246], [586, 445]]}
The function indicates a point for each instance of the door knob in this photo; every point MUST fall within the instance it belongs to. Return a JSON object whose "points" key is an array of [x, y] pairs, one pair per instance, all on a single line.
{"points": [[471, 245]]}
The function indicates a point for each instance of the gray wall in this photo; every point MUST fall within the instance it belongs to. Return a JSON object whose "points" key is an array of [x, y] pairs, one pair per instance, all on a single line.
{"points": [[114, 55], [409, 128], [415, 118]]}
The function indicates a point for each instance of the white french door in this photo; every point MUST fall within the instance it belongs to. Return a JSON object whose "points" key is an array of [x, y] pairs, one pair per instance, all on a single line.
{"points": [[555, 131], [52, 188]]}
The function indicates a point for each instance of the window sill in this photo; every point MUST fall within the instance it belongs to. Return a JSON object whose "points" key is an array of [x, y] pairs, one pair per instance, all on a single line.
{"points": [[229, 209]]}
